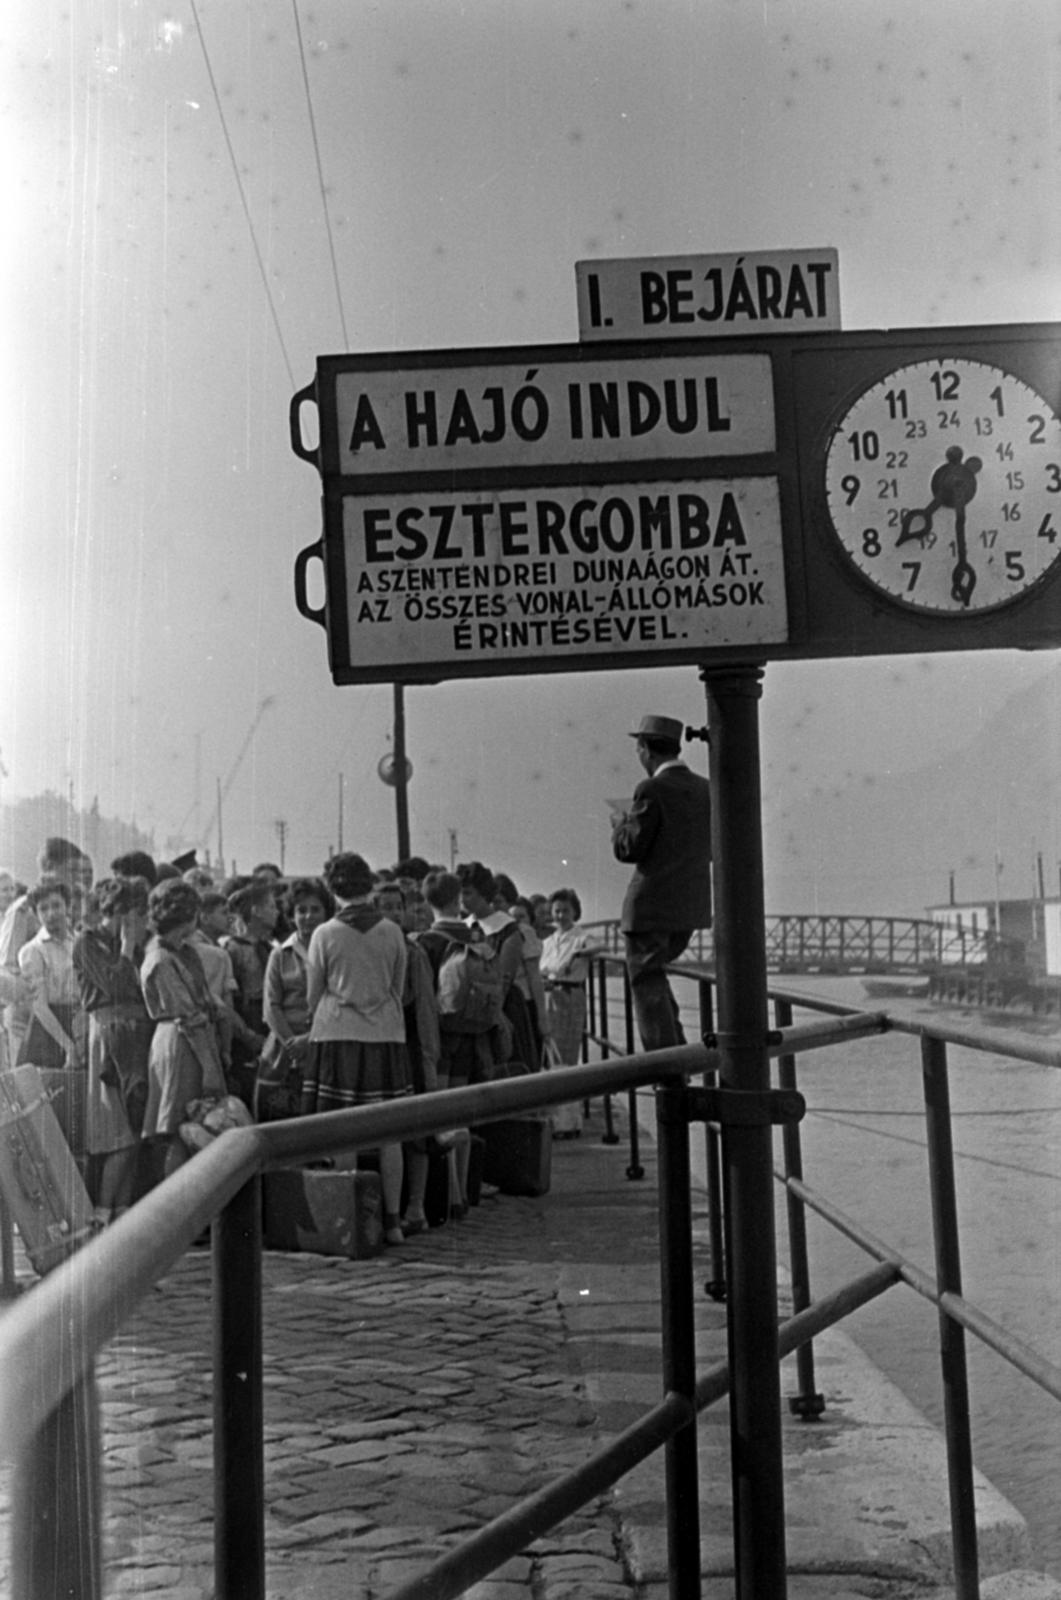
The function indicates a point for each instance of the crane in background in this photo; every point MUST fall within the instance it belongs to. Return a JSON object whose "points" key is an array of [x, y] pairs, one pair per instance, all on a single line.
{"points": [[223, 788]]}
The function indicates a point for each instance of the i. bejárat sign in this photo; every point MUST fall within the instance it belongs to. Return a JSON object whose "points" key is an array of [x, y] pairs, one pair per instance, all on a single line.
{"points": [[721, 296]]}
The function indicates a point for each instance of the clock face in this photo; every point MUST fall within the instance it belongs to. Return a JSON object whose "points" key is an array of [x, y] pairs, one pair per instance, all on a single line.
{"points": [[943, 483]]}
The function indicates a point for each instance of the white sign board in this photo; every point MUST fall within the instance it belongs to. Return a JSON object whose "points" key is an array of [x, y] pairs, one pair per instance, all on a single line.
{"points": [[697, 297], [457, 579], [561, 412]]}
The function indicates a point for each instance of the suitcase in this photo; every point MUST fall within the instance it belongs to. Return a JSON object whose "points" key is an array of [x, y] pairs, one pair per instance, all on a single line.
{"points": [[67, 1090], [328, 1212], [519, 1154], [475, 1169], [438, 1196], [41, 1184]]}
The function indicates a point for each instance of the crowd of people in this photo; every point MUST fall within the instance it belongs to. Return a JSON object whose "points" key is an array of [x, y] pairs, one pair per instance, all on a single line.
{"points": [[175, 993]]}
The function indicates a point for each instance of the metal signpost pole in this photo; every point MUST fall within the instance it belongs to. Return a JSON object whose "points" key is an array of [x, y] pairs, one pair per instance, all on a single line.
{"points": [[401, 774], [740, 954]]}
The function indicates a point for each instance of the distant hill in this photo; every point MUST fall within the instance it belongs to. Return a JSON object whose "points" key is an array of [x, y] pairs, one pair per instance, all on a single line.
{"points": [[888, 843]]}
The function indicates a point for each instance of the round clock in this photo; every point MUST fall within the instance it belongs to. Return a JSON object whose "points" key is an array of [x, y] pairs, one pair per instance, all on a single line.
{"points": [[943, 483]]}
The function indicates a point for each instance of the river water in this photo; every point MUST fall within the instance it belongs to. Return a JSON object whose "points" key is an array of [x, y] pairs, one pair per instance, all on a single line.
{"points": [[864, 1148]]}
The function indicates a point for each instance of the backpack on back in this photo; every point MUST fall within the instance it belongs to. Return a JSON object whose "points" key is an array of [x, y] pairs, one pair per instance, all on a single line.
{"points": [[470, 989]]}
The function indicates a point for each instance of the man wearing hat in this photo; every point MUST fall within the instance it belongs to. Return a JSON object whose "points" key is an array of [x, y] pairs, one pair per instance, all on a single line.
{"points": [[666, 836]]}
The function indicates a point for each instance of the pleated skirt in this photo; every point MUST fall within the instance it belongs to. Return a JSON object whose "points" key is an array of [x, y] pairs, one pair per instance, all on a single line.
{"points": [[341, 1073]]}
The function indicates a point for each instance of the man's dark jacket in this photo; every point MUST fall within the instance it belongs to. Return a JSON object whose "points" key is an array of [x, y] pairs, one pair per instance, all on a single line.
{"points": [[667, 837]]}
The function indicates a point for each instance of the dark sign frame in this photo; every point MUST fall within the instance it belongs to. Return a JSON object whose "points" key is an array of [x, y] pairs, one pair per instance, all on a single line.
{"points": [[832, 612]]}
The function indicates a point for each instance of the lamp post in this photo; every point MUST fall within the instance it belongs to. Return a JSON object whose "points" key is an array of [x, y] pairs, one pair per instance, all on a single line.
{"points": [[395, 770], [402, 773]]}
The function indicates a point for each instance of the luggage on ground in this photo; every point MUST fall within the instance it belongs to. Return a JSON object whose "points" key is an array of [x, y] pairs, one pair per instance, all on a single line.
{"points": [[438, 1194], [329, 1212], [44, 1190], [67, 1089], [518, 1155], [476, 1156]]}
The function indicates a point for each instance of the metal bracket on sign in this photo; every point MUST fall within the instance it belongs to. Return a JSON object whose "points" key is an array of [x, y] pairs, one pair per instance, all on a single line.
{"points": [[745, 1108]]}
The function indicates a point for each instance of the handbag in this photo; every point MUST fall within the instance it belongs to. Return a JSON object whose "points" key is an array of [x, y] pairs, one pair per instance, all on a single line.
{"points": [[39, 1048]]}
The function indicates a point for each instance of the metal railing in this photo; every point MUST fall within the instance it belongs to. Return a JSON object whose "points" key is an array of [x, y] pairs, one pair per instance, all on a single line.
{"points": [[49, 1420]]}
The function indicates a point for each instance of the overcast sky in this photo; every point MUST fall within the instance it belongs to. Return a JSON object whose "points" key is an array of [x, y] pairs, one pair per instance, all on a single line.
{"points": [[167, 262]]}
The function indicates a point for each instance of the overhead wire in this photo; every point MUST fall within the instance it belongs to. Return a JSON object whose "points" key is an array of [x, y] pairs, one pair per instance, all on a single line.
{"points": [[921, 1144], [242, 195], [320, 177]]}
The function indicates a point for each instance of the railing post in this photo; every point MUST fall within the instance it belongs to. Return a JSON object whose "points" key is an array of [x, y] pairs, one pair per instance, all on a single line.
{"points": [[239, 1450], [610, 1135], [56, 1503], [751, 1246], [808, 1403], [635, 1170], [957, 1427], [678, 1338], [715, 1285]]}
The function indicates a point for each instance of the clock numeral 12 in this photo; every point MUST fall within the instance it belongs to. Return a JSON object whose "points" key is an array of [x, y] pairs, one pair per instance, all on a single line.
{"points": [[946, 385]]}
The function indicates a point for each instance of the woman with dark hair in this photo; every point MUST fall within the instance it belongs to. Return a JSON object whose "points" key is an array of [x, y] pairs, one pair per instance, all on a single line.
{"points": [[355, 984], [107, 961], [278, 1091], [54, 1021], [565, 967], [529, 978], [185, 1062], [136, 864]]}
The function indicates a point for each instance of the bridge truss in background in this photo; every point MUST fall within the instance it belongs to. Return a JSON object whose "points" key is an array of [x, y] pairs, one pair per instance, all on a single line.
{"points": [[837, 945]]}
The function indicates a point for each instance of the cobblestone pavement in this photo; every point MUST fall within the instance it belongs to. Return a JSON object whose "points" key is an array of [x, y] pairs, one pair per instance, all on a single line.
{"points": [[408, 1400]]}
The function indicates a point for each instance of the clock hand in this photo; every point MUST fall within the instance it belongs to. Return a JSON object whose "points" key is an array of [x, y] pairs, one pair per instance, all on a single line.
{"points": [[940, 485], [908, 531], [953, 484], [963, 578]]}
